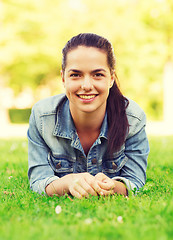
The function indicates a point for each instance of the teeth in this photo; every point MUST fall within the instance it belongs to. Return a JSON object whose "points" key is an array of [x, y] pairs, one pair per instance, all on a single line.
{"points": [[87, 96]]}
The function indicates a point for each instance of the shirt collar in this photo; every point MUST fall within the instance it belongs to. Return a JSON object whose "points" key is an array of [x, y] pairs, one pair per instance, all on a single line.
{"points": [[64, 126], [104, 128]]}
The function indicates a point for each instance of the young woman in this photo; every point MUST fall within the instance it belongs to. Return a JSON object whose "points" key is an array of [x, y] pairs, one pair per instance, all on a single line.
{"points": [[91, 140]]}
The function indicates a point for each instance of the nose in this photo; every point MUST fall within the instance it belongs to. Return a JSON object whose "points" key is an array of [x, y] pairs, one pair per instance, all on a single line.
{"points": [[87, 84]]}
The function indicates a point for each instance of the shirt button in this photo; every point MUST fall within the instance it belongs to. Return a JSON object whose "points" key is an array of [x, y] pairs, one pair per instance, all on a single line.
{"points": [[114, 166], [94, 161], [58, 165]]}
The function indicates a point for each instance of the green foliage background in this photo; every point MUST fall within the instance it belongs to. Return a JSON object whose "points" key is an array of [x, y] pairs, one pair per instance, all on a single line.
{"points": [[33, 33]]}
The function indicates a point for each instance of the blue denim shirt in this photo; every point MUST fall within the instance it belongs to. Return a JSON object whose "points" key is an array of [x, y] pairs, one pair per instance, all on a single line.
{"points": [[55, 150]]}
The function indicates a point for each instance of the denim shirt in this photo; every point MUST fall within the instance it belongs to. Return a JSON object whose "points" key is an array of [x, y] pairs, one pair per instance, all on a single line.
{"points": [[55, 150]]}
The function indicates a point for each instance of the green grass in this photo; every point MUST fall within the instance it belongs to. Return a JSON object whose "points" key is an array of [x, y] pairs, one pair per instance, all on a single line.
{"points": [[27, 215]]}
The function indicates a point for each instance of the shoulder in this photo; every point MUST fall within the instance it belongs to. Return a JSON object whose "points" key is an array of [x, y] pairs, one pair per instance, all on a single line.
{"points": [[49, 105], [134, 110], [136, 117], [44, 112]]}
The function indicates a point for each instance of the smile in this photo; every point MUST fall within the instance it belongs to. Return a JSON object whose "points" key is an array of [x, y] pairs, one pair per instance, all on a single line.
{"points": [[86, 96]]}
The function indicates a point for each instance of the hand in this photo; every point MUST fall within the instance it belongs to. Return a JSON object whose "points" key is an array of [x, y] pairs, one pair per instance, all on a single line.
{"points": [[84, 184], [105, 182], [110, 185]]}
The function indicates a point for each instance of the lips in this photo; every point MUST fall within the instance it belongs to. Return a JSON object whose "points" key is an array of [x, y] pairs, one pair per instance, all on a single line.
{"points": [[82, 96]]}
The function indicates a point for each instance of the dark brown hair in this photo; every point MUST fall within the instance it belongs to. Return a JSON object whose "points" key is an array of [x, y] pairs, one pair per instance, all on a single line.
{"points": [[116, 103]]}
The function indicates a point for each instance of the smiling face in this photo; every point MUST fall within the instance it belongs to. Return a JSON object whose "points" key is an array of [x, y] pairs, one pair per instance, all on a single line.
{"points": [[87, 80]]}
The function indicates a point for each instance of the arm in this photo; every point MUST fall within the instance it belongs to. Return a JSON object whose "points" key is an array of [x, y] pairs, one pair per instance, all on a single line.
{"points": [[40, 173], [133, 173]]}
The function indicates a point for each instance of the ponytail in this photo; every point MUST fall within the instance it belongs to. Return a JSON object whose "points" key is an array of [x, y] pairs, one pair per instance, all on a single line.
{"points": [[118, 126]]}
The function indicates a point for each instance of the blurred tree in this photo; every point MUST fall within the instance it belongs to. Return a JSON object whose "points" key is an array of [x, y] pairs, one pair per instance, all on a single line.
{"points": [[26, 59], [32, 34], [158, 19]]}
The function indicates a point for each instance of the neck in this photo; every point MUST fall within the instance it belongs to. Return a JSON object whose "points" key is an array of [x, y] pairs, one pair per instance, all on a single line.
{"points": [[87, 122]]}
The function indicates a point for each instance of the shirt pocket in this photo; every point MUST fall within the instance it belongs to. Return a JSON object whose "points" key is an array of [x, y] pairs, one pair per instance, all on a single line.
{"points": [[61, 164], [112, 165]]}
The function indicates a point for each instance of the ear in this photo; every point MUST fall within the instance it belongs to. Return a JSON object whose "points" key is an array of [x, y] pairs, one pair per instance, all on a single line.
{"points": [[62, 77], [112, 79]]}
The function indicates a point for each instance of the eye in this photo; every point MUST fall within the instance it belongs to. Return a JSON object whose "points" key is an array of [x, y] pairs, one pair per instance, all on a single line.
{"points": [[75, 75], [98, 75]]}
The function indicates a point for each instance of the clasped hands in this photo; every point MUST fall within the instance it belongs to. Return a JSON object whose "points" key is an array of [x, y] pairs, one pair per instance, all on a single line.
{"points": [[84, 185]]}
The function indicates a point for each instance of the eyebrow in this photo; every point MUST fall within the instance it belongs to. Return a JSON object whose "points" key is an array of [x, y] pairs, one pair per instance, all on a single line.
{"points": [[94, 71], [99, 70], [74, 70]]}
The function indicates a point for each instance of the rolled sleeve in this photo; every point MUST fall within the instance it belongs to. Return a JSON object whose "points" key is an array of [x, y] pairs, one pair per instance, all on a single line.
{"points": [[136, 150], [133, 173], [40, 185]]}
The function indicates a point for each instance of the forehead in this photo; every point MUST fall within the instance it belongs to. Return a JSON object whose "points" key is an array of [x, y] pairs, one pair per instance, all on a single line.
{"points": [[89, 56]]}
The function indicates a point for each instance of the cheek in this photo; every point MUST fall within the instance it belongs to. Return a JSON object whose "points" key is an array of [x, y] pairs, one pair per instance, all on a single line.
{"points": [[71, 86], [103, 87]]}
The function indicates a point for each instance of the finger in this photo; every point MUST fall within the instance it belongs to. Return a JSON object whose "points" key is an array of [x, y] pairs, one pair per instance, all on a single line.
{"points": [[75, 193], [107, 186], [101, 176], [107, 193], [90, 185], [97, 188], [87, 187], [78, 188]]}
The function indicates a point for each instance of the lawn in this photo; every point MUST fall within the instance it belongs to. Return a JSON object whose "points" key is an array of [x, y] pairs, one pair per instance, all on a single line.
{"points": [[27, 215]]}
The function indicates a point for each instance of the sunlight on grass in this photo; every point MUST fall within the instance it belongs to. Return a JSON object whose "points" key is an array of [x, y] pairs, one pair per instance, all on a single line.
{"points": [[28, 215]]}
